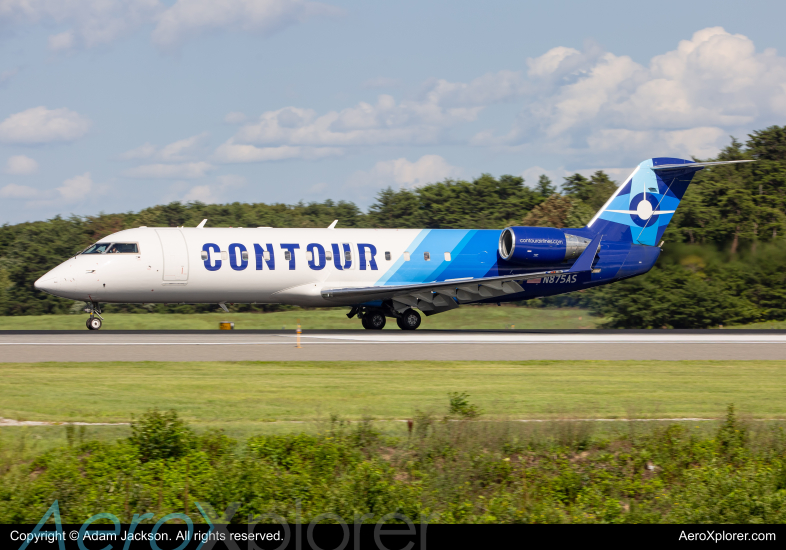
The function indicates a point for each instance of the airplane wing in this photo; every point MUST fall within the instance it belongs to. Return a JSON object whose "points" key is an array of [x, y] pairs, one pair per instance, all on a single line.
{"points": [[437, 296]]}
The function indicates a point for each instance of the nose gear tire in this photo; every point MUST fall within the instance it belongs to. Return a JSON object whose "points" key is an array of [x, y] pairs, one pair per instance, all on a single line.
{"points": [[409, 320], [93, 323]]}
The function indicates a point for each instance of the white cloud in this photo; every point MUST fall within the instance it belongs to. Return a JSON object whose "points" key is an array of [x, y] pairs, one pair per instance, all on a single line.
{"points": [[201, 193], [41, 125], [591, 107], [685, 102], [142, 152], [231, 152], [73, 190], [21, 165], [186, 170], [91, 22], [77, 188], [235, 117], [62, 41], [189, 18], [403, 173], [14, 191], [549, 62], [385, 123], [213, 193], [182, 149], [177, 151]]}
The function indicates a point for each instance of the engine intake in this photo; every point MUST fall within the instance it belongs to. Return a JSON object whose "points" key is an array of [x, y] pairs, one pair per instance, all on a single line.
{"points": [[540, 245]]}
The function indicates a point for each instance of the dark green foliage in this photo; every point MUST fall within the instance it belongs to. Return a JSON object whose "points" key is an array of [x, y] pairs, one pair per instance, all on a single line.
{"points": [[461, 407], [162, 435], [456, 472], [693, 287], [593, 192], [484, 203], [544, 187]]}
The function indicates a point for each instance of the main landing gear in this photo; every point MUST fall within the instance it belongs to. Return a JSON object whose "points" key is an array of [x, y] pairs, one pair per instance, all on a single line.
{"points": [[409, 320], [374, 318], [95, 319]]}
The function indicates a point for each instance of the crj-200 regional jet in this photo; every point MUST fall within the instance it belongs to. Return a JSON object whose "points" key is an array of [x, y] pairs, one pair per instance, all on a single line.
{"points": [[379, 273]]}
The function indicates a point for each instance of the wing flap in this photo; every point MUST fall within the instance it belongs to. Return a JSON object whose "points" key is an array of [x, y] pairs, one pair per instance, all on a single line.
{"points": [[436, 295]]}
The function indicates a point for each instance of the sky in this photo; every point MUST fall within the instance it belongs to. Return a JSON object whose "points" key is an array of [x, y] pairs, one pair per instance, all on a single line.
{"points": [[113, 106]]}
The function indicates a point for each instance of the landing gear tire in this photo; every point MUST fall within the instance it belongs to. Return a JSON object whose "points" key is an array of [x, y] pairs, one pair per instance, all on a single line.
{"points": [[409, 320], [373, 320], [93, 323]]}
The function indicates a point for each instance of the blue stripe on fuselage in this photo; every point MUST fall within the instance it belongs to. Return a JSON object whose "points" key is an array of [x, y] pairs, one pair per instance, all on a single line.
{"points": [[473, 254]]}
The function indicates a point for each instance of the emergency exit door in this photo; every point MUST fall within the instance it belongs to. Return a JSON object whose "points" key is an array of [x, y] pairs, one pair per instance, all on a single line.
{"points": [[175, 252]]}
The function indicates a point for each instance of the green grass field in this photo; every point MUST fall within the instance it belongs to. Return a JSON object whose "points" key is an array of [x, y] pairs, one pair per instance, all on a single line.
{"points": [[246, 396], [467, 317]]}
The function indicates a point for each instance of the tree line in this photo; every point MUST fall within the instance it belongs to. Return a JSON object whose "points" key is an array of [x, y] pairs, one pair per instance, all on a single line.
{"points": [[724, 261]]}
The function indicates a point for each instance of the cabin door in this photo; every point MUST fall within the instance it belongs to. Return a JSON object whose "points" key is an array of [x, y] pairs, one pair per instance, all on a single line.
{"points": [[175, 252]]}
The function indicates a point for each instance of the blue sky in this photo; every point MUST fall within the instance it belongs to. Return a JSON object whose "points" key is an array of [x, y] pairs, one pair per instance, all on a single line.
{"points": [[113, 106]]}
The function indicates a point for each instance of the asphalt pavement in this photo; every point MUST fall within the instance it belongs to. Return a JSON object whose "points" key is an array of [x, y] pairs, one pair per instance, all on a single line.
{"points": [[391, 345]]}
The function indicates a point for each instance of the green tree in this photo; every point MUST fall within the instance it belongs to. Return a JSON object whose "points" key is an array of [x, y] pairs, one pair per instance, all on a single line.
{"points": [[545, 188]]}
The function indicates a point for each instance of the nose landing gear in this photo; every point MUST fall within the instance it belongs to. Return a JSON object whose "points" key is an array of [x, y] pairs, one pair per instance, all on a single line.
{"points": [[95, 319]]}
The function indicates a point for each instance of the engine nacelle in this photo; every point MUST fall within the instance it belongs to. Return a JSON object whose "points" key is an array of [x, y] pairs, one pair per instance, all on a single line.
{"points": [[540, 245]]}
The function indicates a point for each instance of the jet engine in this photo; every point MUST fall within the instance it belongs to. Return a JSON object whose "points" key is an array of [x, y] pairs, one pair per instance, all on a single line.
{"points": [[540, 246]]}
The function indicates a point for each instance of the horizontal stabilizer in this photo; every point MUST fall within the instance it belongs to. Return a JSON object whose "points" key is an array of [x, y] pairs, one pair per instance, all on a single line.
{"points": [[584, 263], [696, 164]]}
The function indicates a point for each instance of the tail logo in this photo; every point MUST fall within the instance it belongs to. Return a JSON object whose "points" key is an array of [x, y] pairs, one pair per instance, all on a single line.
{"points": [[646, 206]]}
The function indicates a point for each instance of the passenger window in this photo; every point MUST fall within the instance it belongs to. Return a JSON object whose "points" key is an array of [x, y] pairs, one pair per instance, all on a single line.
{"points": [[328, 255], [347, 255], [287, 256], [204, 255], [447, 256], [123, 248], [266, 255], [225, 255], [309, 256], [98, 248], [406, 256], [244, 256], [387, 256], [427, 256]]}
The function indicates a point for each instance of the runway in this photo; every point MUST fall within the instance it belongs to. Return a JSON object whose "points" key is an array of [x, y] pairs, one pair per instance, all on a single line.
{"points": [[358, 345]]}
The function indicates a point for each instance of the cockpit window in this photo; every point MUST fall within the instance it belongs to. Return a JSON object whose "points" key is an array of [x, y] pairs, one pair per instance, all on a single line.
{"points": [[123, 248], [112, 248], [98, 248]]}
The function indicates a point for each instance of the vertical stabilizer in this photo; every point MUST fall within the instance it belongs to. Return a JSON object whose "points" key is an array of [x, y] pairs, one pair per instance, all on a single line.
{"points": [[643, 206]]}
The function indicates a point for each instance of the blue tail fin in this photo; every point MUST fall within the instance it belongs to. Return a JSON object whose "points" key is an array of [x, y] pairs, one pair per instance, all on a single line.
{"points": [[643, 206]]}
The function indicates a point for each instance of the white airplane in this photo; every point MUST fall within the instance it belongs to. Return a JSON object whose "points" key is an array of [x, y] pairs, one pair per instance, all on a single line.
{"points": [[378, 273]]}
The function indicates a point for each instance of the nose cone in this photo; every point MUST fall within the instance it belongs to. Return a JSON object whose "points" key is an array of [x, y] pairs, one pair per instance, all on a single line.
{"points": [[58, 281], [47, 283]]}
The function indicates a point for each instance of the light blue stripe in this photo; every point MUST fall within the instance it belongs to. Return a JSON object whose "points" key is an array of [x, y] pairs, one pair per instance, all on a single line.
{"points": [[400, 261]]}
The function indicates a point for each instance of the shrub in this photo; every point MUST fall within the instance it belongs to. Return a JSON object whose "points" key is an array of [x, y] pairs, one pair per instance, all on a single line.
{"points": [[161, 435], [461, 407]]}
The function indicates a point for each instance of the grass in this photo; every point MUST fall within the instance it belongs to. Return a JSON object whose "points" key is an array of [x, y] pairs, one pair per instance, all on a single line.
{"points": [[467, 317], [245, 397]]}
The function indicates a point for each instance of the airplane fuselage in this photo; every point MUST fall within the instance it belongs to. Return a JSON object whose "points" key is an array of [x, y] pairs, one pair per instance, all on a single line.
{"points": [[288, 266]]}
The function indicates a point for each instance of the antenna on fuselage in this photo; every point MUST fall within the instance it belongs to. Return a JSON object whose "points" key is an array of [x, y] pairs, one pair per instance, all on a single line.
{"points": [[333, 225], [202, 224]]}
